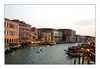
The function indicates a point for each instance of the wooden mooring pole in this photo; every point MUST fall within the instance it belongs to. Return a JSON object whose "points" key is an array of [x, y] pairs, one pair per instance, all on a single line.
{"points": [[79, 59], [74, 61], [83, 60], [88, 62]]}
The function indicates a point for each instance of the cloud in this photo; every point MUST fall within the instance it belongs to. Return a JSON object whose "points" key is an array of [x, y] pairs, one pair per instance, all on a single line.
{"points": [[84, 22]]}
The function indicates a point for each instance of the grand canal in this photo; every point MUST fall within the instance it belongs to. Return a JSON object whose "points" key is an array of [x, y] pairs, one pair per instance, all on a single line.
{"points": [[49, 55]]}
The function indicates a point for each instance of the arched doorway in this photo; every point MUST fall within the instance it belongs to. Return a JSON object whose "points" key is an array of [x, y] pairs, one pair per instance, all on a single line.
{"points": [[7, 40], [10, 41]]}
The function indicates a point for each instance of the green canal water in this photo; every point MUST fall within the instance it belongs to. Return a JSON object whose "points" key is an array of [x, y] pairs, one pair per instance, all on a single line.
{"points": [[49, 55]]}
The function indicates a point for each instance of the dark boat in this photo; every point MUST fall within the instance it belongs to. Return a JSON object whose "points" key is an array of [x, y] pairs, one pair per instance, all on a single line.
{"points": [[73, 51], [8, 50], [65, 50], [40, 49], [73, 54], [13, 47]]}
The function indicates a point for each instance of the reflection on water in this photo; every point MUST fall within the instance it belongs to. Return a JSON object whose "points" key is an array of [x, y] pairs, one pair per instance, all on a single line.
{"points": [[49, 55]]}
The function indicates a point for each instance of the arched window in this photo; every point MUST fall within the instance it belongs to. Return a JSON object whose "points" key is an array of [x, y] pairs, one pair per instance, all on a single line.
{"points": [[13, 40], [7, 40], [10, 40], [5, 24]]}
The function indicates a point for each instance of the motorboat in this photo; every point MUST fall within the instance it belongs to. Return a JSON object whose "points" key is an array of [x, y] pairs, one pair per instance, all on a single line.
{"points": [[38, 51]]}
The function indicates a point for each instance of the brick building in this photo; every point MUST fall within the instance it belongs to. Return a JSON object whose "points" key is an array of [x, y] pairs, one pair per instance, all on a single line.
{"points": [[34, 34], [24, 31]]}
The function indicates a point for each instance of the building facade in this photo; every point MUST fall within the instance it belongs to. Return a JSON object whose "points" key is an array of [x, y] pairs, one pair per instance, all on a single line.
{"points": [[46, 34], [34, 34], [73, 34], [11, 31], [82, 39], [55, 36], [78, 38], [46, 37], [24, 32], [60, 36], [68, 35], [90, 38]]}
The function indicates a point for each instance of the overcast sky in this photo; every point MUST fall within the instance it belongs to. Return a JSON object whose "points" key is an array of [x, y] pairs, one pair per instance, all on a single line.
{"points": [[77, 17]]}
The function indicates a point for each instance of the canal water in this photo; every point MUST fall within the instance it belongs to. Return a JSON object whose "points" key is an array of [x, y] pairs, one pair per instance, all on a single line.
{"points": [[49, 55]]}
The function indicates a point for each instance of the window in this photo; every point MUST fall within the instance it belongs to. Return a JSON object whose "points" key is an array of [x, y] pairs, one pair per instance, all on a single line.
{"points": [[5, 24], [45, 34], [12, 40], [15, 40], [16, 34], [12, 26], [27, 35], [7, 32], [26, 30], [7, 40], [11, 33], [16, 27], [55, 34]]}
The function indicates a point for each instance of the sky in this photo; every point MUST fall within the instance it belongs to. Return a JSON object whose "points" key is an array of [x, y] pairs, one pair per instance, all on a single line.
{"points": [[80, 18]]}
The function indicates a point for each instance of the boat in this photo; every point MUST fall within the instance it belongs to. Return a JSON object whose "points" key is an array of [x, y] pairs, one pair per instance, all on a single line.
{"points": [[65, 50], [73, 54], [73, 51], [8, 50], [74, 47], [38, 51], [14, 47], [40, 48]]}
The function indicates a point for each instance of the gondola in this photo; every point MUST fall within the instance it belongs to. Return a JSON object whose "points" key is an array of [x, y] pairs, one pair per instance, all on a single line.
{"points": [[73, 54]]}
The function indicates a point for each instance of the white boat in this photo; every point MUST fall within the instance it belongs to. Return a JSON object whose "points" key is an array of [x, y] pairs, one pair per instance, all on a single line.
{"points": [[38, 51]]}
